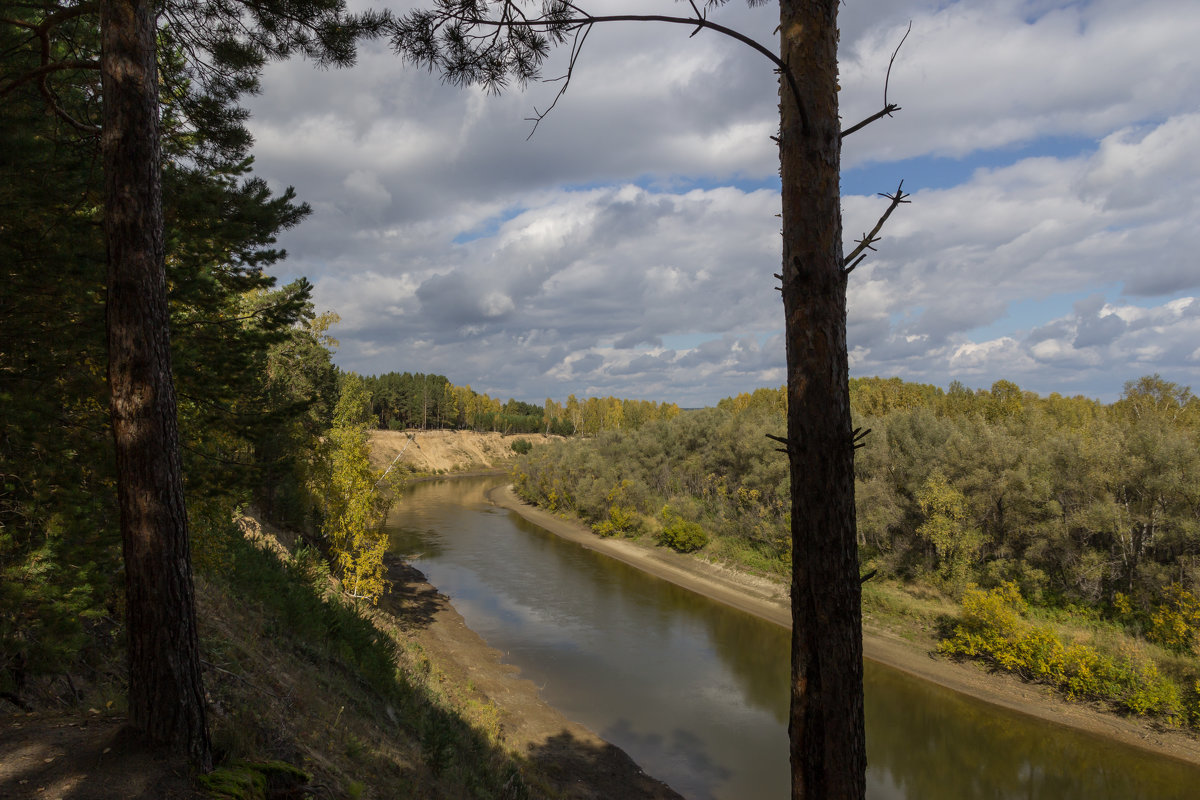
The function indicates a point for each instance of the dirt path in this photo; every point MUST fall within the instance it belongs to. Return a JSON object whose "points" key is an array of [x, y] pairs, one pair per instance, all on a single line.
{"points": [[769, 600], [69, 756]]}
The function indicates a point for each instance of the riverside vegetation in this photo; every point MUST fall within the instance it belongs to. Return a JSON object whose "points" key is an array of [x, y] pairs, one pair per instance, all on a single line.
{"points": [[1089, 510], [1053, 537]]}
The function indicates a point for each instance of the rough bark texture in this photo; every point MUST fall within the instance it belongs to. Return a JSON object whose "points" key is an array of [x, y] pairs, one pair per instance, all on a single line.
{"points": [[826, 724], [166, 699]]}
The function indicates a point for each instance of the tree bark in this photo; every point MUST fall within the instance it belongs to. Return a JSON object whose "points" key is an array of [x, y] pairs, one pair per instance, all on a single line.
{"points": [[828, 751], [166, 698]]}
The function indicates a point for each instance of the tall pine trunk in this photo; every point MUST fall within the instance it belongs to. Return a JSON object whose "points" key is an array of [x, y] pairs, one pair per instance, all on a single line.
{"points": [[166, 698], [826, 721]]}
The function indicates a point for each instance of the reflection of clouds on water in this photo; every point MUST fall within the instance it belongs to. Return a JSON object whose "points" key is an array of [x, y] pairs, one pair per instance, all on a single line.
{"points": [[680, 760], [614, 648], [924, 741]]}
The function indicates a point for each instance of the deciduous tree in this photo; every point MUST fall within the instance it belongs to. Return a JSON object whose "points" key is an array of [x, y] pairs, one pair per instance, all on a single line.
{"points": [[353, 509]]}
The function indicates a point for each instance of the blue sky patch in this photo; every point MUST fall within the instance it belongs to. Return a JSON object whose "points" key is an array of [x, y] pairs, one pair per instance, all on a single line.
{"points": [[935, 172], [490, 226]]}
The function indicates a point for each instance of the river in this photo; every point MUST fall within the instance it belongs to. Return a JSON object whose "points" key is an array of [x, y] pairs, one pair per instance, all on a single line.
{"points": [[696, 692]]}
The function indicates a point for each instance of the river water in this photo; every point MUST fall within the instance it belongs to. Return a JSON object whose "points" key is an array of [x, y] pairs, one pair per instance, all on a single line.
{"points": [[696, 692]]}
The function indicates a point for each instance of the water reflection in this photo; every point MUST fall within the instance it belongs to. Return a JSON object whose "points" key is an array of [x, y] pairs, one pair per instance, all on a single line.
{"points": [[926, 741], [696, 692], [686, 751], [697, 695]]}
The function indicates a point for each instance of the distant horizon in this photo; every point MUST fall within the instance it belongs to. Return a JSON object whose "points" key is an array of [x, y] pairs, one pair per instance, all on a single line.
{"points": [[582, 396]]}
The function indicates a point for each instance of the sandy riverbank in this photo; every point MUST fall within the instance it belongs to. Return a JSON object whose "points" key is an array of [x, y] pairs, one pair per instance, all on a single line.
{"points": [[575, 763], [769, 600]]}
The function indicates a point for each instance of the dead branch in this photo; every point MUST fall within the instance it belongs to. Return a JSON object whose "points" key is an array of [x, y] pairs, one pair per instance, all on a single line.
{"points": [[857, 436], [786, 444], [576, 49], [237, 677], [39, 73], [888, 108], [869, 239], [47, 66]]}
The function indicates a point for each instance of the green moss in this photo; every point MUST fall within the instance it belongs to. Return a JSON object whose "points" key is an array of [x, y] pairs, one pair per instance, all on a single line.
{"points": [[253, 780]]}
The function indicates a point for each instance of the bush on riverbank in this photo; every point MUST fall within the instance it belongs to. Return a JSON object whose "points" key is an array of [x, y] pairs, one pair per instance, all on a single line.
{"points": [[719, 474], [993, 628], [679, 534]]}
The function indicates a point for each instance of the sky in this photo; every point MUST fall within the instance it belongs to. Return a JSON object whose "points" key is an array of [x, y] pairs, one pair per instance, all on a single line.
{"points": [[627, 247]]}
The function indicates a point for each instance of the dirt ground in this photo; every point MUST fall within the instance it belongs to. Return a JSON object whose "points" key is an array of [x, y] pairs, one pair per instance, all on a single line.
{"points": [[88, 756], [769, 600], [444, 451]]}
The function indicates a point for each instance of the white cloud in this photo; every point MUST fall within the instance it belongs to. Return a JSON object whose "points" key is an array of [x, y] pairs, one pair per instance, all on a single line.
{"points": [[563, 264], [977, 76]]}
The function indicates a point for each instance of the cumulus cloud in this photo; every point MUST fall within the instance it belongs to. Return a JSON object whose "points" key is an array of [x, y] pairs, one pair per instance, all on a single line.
{"points": [[978, 76], [628, 247]]}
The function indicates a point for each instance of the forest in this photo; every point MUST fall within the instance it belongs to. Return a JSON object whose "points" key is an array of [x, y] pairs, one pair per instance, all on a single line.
{"points": [[264, 415], [998, 497], [416, 400]]}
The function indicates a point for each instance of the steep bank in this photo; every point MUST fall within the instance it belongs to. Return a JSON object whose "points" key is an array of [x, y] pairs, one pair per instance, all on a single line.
{"points": [[400, 700], [498, 713], [908, 648], [572, 760], [438, 452]]}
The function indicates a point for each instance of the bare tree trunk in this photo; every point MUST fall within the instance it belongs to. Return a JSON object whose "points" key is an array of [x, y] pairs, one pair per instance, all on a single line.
{"points": [[166, 698], [828, 750]]}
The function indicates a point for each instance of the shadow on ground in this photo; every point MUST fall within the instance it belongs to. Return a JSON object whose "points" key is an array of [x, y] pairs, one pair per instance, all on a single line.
{"points": [[52, 756]]}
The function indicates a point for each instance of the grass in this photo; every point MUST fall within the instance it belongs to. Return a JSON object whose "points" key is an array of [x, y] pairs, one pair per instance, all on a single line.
{"points": [[299, 675]]}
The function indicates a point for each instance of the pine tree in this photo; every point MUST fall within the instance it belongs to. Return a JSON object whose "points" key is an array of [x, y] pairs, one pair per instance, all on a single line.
{"points": [[496, 42]]}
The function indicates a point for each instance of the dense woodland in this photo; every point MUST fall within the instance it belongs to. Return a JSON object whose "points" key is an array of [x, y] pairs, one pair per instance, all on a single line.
{"points": [[1062, 503], [252, 365], [416, 400], [1074, 500]]}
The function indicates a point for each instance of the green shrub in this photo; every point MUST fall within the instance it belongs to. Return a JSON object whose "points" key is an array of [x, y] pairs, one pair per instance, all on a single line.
{"points": [[249, 780], [992, 628], [621, 521], [679, 534], [1175, 622], [521, 446]]}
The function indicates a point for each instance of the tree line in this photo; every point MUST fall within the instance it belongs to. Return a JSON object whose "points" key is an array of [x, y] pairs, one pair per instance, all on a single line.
{"points": [[407, 400], [1075, 501]]}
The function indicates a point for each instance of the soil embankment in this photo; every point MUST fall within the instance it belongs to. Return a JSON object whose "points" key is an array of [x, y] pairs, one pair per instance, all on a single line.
{"points": [[769, 600], [440, 452]]}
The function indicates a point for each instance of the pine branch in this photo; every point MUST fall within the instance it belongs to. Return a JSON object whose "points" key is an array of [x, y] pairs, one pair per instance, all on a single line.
{"points": [[869, 239], [888, 108], [515, 44]]}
